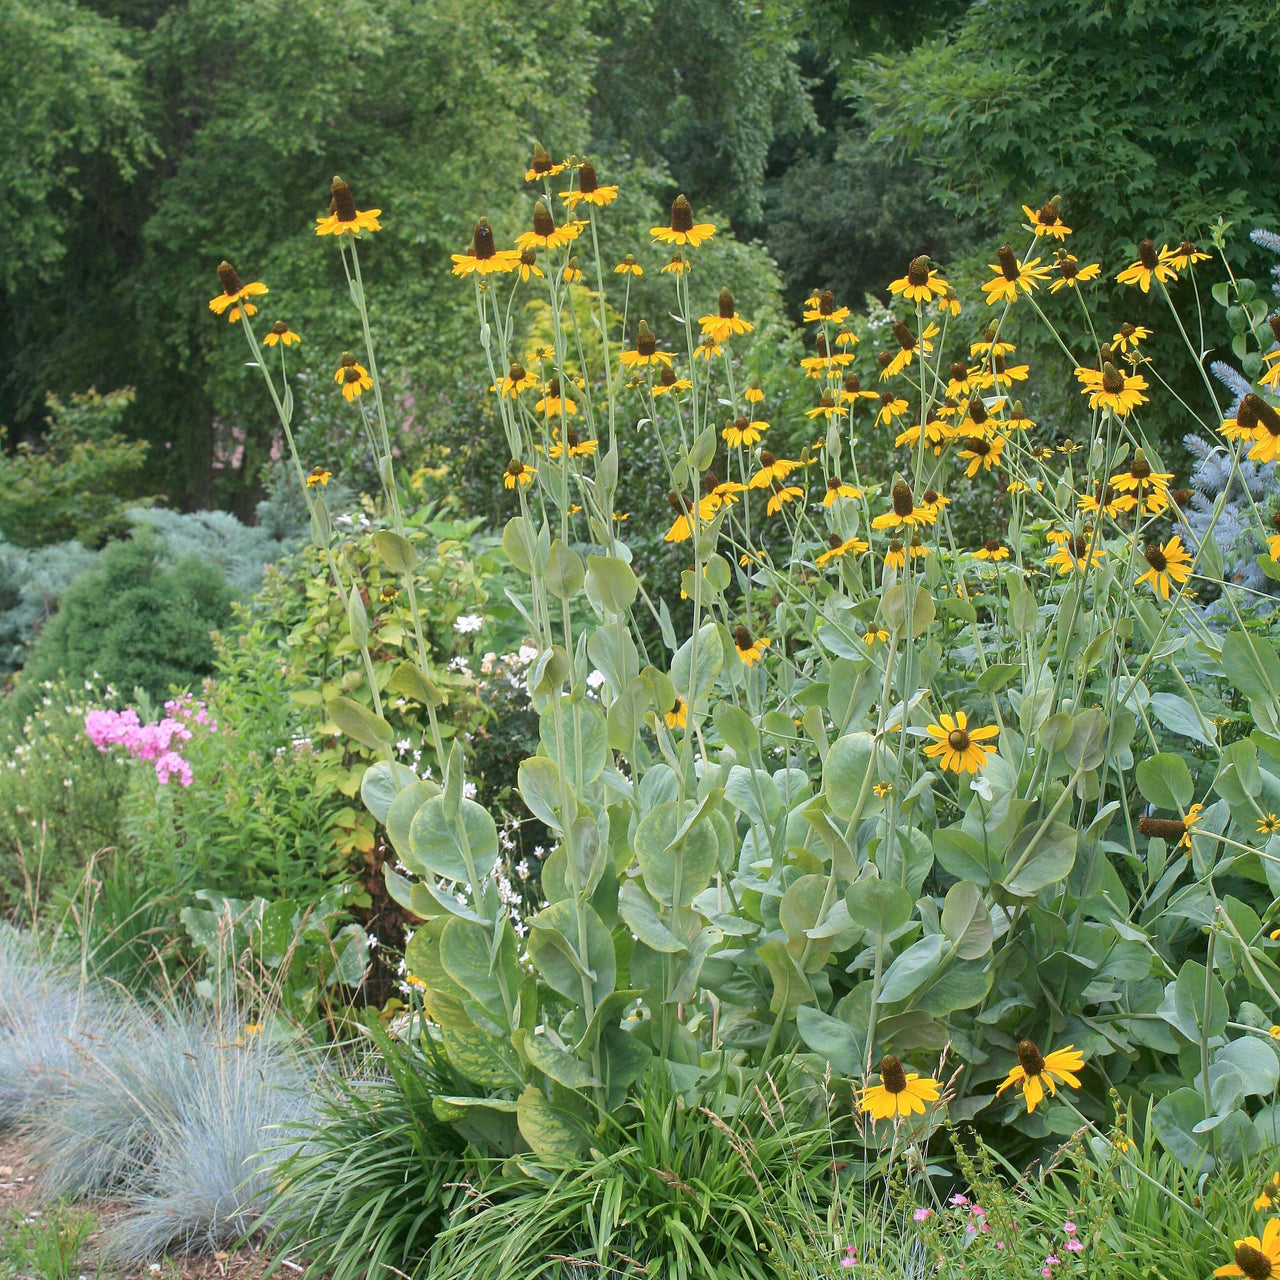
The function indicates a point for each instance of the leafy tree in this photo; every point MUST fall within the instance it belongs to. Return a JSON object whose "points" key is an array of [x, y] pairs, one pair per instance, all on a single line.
{"points": [[1142, 114], [76, 485]]}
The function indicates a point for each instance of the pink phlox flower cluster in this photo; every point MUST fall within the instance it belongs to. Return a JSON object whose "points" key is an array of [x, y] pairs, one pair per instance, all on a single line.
{"points": [[1074, 1243], [152, 743], [850, 1258]]}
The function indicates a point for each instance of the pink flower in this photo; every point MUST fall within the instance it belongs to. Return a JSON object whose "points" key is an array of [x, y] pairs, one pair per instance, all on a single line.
{"points": [[958, 1200], [1074, 1245], [999, 1244], [1069, 1228], [922, 1215]]}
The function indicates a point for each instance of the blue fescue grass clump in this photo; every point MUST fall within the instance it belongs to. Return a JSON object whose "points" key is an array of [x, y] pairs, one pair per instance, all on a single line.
{"points": [[163, 1107], [46, 1018], [205, 1182]]}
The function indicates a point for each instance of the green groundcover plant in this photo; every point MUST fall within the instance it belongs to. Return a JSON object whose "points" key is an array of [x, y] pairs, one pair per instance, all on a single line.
{"points": [[982, 832]]}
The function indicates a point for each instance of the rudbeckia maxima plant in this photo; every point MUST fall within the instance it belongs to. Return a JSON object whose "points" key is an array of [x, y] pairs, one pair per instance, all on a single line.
{"points": [[908, 660]]}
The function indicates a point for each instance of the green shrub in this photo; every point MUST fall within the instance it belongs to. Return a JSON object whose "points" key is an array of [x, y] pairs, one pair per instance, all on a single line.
{"points": [[134, 622]]}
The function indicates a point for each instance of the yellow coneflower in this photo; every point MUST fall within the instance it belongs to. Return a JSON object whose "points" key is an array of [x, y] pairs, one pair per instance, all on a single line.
{"points": [[388, 593], [554, 402], [907, 344], [1130, 335], [960, 379], [899, 1095], [1012, 275], [743, 432], [545, 233], [678, 716], [677, 266], [707, 350], [982, 453], [1269, 1195], [851, 390], [484, 256], [837, 489], [977, 420], [720, 493], [235, 294], [541, 166], [1046, 221], [1071, 273], [904, 513], [628, 267], [957, 747], [571, 273], [1256, 1259], [1037, 1073], [882, 789], [318, 476], [646, 351], [846, 338], [921, 283], [990, 345], [1149, 266], [936, 435], [749, 651], [683, 230], [1018, 419], [753, 394], [780, 494], [668, 382], [891, 407], [589, 190], [1262, 422], [518, 472], [1268, 825], [1076, 553], [1186, 255], [527, 264], [518, 379], [838, 549], [993, 549], [825, 408], [578, 447], [281, 333], [344, 218], [688, 516], [874, 635], [1106, 500], [823, 362], [949, 305], [824, 309], [1151, 487], [726, 322], [352, 376], [1001, 374], [1170, 563], [771, 469], [1111, 389]]}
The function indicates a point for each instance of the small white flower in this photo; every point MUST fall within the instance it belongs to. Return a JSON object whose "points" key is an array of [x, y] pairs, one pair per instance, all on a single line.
{"points": [[469, 790], [595, 679], [405, 744], [468, 622]]}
